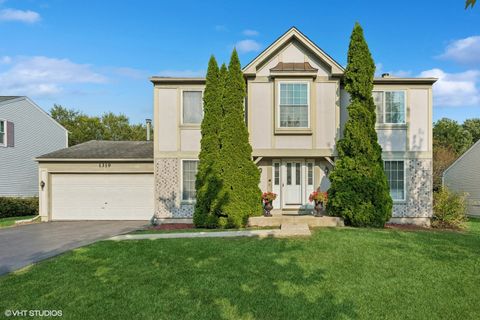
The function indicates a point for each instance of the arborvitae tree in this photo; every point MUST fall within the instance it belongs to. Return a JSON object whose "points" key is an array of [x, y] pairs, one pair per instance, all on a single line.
{"points": [[240, 195], [359, 190], [207, 183]]}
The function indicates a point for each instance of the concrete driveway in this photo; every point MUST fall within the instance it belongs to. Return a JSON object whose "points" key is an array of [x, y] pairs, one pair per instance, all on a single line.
{"points": [[24, 245]]}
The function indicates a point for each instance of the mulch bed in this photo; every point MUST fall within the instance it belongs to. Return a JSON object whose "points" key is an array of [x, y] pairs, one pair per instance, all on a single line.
{"points": [[172, 226]]}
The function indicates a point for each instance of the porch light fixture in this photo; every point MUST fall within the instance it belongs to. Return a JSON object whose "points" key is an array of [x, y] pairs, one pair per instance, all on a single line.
{"points": [[42, 184], [326, 170]]}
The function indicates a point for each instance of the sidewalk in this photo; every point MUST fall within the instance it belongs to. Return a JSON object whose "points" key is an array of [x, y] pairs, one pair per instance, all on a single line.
{"points": [[287, 230]]}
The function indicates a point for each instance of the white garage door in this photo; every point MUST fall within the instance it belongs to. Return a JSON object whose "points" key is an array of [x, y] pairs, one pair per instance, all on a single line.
{"points": [[102, 196]]}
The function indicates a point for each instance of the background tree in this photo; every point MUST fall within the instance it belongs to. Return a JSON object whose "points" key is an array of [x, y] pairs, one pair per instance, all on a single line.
{"points": [[207, 183], [443, 157], [359, 191], [109, 126], [240, 195], [473, 126], [449, 134]]}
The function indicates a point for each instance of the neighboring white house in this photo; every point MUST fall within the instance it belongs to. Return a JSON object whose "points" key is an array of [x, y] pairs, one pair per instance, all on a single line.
{"points": [[26, 132], [296, 108], [464, 176]]}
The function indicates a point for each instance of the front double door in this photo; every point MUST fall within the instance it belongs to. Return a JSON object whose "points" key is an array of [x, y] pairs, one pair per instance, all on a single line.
{"points": [[293, 182]]}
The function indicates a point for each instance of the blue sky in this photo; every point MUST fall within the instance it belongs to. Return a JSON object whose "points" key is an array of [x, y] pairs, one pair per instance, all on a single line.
{"points": [[96, 56]]}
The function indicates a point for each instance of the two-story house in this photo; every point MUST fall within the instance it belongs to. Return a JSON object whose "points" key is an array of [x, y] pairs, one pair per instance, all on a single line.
{"points": [[295, 111], [26, 132]]}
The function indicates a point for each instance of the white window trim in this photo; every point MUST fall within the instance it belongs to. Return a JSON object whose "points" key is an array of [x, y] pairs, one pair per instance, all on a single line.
{"points": [[404, 180], [278, 104], [181, 107], [183, 201], [5, 138], [404, 108]]}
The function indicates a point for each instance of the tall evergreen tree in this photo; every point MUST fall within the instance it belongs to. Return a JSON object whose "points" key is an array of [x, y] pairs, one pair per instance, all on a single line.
{"points": [[359, 190], [240, 195], [207, 183]]}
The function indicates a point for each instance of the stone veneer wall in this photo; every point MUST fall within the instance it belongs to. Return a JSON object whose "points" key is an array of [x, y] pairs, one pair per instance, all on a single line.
{"points": [[167, 190], [418, 204], [419, 190]]}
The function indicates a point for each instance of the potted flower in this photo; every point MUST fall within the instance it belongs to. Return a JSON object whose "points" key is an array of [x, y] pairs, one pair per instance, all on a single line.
{"points": [[320, 198], [267, 198]]}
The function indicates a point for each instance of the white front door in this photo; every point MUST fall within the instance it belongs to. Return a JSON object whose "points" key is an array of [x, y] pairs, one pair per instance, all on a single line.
{"points": [[292, 183]]}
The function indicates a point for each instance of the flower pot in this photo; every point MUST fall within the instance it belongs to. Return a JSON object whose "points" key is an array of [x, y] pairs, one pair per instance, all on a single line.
{"points": [[319, 208], [267, 208]]}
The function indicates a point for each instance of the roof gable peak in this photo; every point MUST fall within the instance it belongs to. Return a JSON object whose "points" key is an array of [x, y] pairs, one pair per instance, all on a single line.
{"points": [[293, 34]]}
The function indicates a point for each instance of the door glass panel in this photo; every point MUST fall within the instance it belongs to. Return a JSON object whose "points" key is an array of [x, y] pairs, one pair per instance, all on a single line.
{"points": [[276, 174], [310, 173], [297, 174], [289, 173]]}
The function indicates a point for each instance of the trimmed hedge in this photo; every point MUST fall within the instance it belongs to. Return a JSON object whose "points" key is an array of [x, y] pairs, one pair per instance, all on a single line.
{"points": [[17, 207]]}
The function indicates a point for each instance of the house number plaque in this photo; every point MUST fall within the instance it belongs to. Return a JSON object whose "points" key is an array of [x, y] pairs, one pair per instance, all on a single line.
{"points": [[104, 164]]}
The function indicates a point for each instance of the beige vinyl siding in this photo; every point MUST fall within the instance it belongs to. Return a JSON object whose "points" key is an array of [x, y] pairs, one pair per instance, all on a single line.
{"points": [[464, 176]]}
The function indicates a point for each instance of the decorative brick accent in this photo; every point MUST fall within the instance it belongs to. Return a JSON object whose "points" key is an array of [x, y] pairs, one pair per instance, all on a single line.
{"points": [[419, 190], [167, 190]]}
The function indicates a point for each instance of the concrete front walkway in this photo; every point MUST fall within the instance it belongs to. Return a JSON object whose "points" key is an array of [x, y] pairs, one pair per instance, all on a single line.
{"points": [[287, 230], [27, 244]]}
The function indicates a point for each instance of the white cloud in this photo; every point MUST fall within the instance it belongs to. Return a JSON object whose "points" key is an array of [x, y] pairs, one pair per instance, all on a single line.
{"points": [[247, 45], [26, 16], [5, 60], [43, 76], [455, 89], [465, 51], [181, 73], [250, 33]]}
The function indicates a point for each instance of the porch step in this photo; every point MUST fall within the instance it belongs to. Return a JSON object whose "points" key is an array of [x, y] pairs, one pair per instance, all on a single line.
{"points": [[295, 229], [311, 221]]}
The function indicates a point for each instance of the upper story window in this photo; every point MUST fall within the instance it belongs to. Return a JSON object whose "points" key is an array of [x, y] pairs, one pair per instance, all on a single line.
{"points": [[390, 106], [3, 129], [192, 109], [293, 105]]}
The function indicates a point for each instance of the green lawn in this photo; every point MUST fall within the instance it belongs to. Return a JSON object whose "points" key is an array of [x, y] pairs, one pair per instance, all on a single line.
{"points": [[338, 273], [10, 221]]}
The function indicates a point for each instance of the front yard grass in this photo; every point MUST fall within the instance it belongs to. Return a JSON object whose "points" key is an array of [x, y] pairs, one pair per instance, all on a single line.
{"points": [[10, 221], [338, 273]]}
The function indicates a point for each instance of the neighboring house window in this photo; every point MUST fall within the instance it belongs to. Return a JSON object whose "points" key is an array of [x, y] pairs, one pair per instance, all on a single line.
{"points": [[192, 107], [3, 129], [390, 106], [395, 172], [189, 171], [294, 105]]}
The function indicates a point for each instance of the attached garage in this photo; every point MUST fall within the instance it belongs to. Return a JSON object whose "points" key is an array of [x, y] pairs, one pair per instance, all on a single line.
{"points": [[98, 180], [121, 196]]}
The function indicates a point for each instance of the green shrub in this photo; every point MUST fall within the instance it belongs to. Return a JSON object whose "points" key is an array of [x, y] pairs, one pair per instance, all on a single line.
{"points": [[16, 207], [449, 209]]}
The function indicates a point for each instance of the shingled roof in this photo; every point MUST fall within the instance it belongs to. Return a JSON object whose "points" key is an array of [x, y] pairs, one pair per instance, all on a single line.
{"points": [[6, 98], [112, 150]]}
